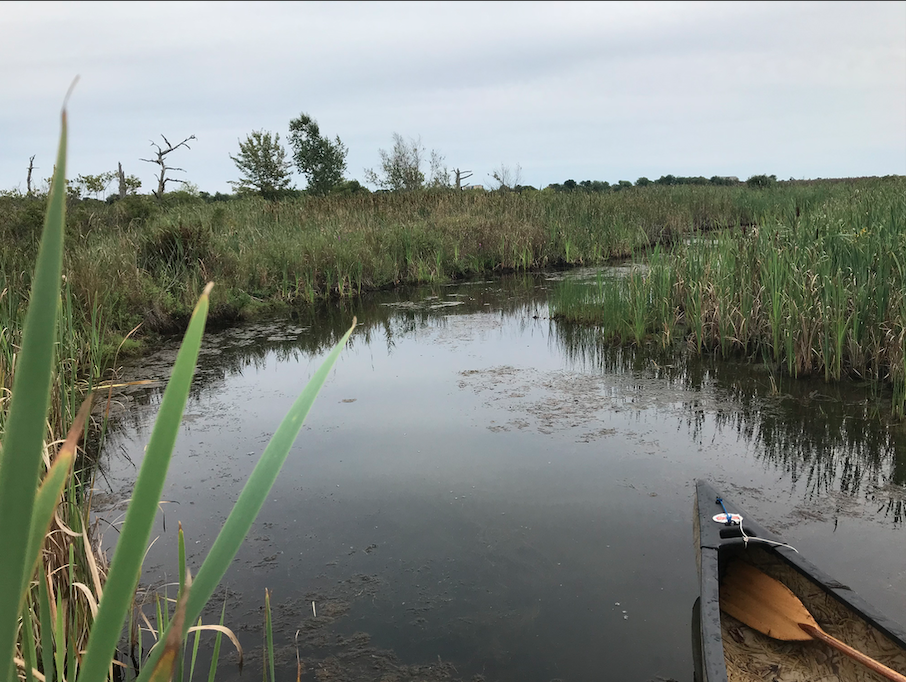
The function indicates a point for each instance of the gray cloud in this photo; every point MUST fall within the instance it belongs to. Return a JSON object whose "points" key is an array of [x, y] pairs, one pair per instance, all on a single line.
{"points": [[583, 90]]}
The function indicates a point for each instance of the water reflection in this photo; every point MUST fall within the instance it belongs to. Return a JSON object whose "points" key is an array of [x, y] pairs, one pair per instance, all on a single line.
{"points": [[311, 332], [826, 438]]}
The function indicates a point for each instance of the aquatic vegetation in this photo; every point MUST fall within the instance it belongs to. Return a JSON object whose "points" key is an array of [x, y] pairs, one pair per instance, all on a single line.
{"points": [[144, 262], [821, 290]]}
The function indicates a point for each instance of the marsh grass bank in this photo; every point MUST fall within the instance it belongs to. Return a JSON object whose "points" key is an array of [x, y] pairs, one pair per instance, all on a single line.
{"points": [[138, 260], [818, 291], [142, 263]]}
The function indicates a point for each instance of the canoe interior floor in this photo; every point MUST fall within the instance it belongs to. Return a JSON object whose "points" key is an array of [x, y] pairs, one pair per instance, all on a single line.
{"points": [[752, 656]]}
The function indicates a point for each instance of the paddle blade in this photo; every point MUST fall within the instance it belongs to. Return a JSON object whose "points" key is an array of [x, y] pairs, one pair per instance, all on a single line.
{"points": [[763, 603]]}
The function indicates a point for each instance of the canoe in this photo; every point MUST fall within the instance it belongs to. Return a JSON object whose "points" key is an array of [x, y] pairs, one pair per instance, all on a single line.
{"points": [[726, 650]]}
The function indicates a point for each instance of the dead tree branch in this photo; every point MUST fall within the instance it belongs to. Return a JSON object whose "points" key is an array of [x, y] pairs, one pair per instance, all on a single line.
{"points": [[162, 152], [31, 167], [460, 176], [122, 180]]}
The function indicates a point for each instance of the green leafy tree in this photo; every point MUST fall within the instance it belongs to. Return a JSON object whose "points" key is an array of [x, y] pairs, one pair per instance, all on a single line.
{"points": [[95, 184], [132, 184], [263, 164], [321, 160], [440, 174], [762, 181], [349, 188], [595, 186], [400, 167], [73, 188]]}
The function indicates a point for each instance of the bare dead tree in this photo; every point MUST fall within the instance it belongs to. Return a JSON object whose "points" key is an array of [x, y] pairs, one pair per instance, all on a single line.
{"points": [[122, 179], [460, 176], [31, 167], [162, 179], [506, 177]]}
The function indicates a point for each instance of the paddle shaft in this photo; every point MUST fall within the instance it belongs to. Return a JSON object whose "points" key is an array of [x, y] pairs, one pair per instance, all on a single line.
{"points": [[856, 655]]}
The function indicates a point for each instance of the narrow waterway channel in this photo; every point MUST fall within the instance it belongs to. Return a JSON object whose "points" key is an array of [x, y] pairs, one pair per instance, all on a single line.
{"points": [[483, 493]]}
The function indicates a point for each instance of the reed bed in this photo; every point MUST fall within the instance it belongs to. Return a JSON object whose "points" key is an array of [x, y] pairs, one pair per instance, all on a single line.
{"points": [[138, 261], [818, 291], [142, 263]]}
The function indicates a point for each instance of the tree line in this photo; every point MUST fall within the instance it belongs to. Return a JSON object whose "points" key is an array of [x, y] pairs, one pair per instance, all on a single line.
{"points": [[594, 186], [265, 169]]}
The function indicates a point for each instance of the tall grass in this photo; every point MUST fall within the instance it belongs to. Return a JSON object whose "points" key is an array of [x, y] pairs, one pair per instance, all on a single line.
{"points": [[137, 261], [54, 626], [821, 290]]}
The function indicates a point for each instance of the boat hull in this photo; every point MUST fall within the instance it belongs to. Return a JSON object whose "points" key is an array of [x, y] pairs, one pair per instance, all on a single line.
{"points": [[725, 649]]}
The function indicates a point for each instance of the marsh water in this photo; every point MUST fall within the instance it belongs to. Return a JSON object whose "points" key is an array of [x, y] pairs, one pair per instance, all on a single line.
{"points": [[481, 492]]}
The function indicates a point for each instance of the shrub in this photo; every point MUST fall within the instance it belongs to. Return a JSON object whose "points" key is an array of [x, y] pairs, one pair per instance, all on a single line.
{"points": [[762, 181]]}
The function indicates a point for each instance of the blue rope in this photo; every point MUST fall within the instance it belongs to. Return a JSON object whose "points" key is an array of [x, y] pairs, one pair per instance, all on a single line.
{"points": [[720, 501]]}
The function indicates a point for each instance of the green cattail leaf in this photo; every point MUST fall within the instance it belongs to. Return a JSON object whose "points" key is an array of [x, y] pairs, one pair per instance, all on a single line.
{"points": [[212, 671], [45, 620], [171, 645], [253, 495], [20, 457], [59, 635], [195, 652], [181, 548], [56, 478], [29, 652], [72, 655], [125, 567], [45, 503], [269, 633], [163, 616]]}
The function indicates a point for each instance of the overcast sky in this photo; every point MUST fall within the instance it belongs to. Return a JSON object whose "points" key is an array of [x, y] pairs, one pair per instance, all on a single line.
{"points": [[599, 91]]}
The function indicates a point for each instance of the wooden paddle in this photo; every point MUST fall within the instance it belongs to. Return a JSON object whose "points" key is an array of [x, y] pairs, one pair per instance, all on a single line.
{"points": [[767, 605]]}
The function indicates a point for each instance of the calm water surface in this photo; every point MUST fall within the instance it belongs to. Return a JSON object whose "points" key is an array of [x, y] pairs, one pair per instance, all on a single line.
{"points": [[482, 493]]}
